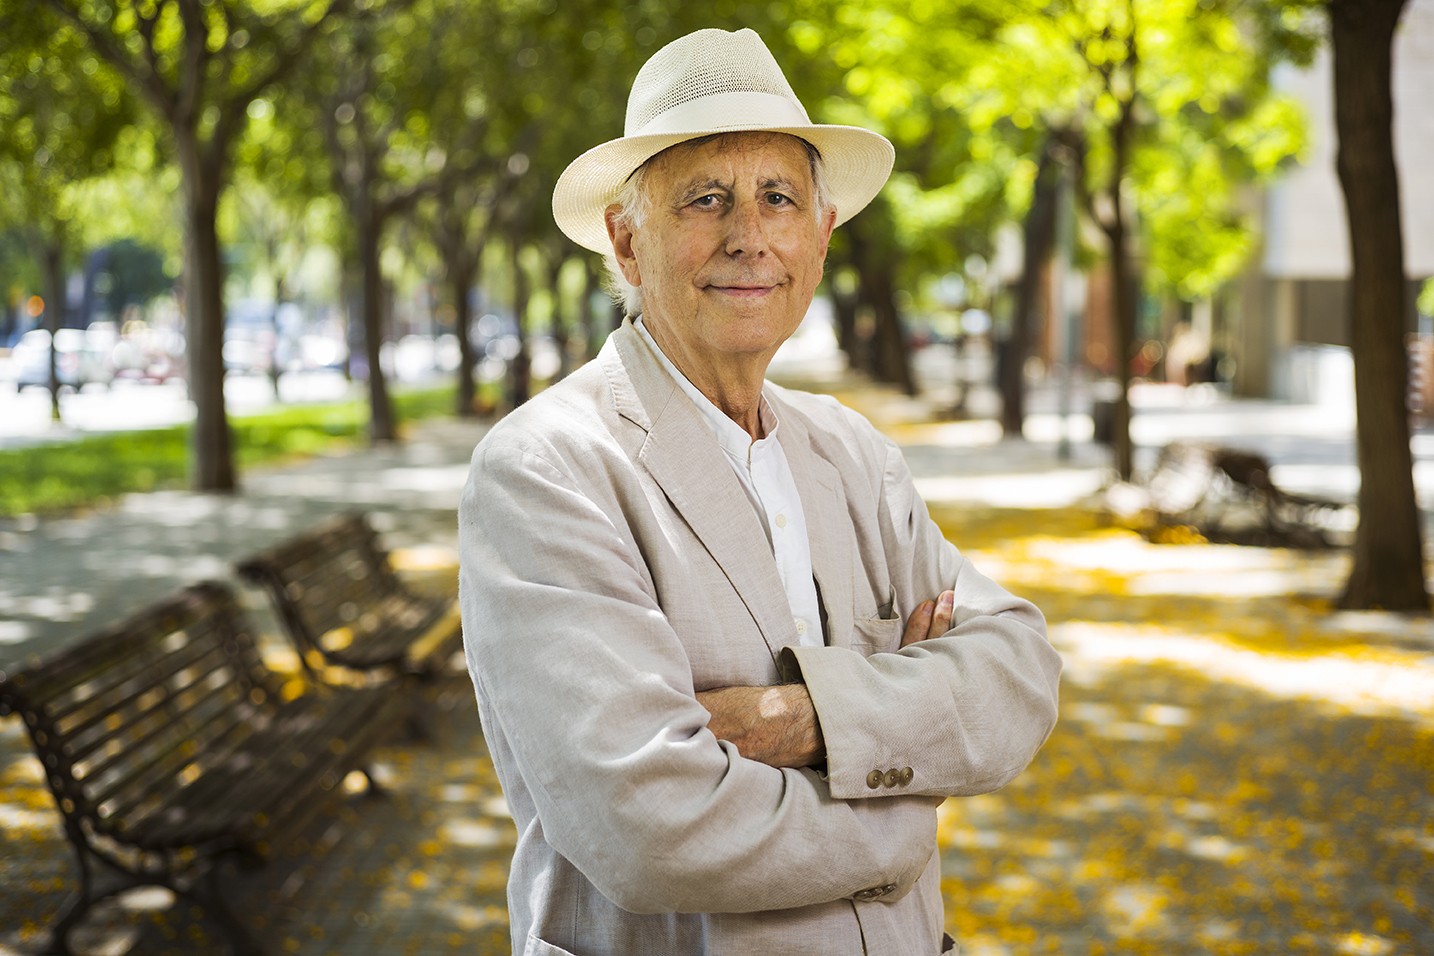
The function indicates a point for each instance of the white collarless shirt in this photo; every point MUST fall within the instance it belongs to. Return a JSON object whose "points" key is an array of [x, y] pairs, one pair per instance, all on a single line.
{"points": [[761, 467]]}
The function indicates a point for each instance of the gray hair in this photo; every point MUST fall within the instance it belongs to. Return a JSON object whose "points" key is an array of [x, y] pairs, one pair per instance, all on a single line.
{"points": [[634, 204]]}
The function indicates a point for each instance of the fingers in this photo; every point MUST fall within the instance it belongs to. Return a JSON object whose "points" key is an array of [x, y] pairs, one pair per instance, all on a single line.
{"points": [[941, 617], [918, 625], [930, 619]]}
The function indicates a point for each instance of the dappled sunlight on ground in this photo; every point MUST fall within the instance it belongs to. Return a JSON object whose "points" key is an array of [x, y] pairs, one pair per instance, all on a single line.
{"points": [[1234, 771], [1239, 769]]}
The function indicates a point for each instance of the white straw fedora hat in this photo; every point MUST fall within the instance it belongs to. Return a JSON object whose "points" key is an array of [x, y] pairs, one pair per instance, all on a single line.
{"points": [[710, 82]]}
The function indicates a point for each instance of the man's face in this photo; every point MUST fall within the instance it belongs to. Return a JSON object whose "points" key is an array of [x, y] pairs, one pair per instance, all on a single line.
{"points": [[731, 250]]}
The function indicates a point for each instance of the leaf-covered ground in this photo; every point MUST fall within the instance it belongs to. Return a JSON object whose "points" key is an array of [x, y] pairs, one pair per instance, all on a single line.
{"points": [[1238, 770]]}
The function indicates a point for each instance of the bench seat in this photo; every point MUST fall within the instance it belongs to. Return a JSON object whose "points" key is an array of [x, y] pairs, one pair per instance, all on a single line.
{"points": [[170, 748]]}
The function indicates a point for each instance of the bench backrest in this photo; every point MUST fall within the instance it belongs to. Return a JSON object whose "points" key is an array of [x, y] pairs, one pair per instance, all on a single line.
{"points": [[335, 585], [126, 716]]}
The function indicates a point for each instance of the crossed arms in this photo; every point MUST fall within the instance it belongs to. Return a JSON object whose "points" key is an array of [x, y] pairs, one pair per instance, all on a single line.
{"points": [[777, 725], [669, 799]]}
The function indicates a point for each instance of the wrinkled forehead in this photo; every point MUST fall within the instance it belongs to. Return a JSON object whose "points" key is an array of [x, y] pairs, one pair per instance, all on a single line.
{"points": [[779, 148]]}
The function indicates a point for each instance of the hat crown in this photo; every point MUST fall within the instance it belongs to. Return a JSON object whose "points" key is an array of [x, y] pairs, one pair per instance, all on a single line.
{"points": [[706, 64]]}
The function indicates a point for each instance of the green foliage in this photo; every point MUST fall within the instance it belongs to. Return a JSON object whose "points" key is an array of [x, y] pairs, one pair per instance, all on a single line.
{"points": [[485, 101], [94, 469], [63, 113]]}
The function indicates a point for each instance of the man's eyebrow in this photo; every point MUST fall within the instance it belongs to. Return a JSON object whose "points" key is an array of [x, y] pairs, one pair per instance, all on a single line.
{"points": [[698, 187], [783, 184]]}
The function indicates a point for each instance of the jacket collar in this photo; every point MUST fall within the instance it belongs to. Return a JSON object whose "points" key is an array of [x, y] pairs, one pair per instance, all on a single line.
{"points": [[686, 461]]}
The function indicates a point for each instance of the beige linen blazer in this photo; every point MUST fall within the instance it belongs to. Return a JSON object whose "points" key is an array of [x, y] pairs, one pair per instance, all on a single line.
{"points": [[611, 567]]}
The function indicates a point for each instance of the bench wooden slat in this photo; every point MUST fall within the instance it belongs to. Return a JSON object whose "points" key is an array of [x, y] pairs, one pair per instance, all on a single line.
{"points": [[169, 746], [341, 601]]}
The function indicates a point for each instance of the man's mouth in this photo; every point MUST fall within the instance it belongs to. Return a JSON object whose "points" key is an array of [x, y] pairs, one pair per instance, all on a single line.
{"points": [[742, 289]]}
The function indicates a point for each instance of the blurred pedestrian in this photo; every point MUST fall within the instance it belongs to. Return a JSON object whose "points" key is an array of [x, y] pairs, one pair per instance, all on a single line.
{"points": [[727, 665]]}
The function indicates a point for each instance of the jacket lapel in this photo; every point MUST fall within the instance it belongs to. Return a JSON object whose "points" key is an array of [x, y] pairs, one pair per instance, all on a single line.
{"points": [[686, 461]]}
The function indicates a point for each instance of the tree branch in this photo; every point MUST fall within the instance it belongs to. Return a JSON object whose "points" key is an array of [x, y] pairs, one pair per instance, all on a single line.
{"points": [[194, 67], [288, 56], [150, 81]]}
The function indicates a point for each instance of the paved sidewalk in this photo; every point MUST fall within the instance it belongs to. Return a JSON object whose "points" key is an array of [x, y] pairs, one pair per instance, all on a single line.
{"points": [[1221, 730]]}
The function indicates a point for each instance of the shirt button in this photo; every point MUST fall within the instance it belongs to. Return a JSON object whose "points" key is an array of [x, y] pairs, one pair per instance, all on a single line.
{"points": [[874, 779], [781, 520], [801, 627]]}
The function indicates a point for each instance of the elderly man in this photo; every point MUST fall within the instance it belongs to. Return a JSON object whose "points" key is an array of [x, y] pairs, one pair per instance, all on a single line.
{"points": [[726, 664]]}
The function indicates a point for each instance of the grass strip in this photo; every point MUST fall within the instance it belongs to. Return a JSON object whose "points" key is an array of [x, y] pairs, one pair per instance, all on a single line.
{"points": [[86, 471]]}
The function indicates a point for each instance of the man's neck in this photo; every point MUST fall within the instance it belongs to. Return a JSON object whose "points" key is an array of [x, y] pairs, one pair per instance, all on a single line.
{"points": [[733, 384]]}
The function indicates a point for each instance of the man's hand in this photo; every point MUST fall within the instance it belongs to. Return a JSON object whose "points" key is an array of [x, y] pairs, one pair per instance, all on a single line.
{"points": [[930, 619], [776, 725]]}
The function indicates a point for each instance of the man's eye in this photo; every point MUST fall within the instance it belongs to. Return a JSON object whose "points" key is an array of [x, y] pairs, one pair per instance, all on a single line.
{"points": [[709, 201], [777, 199]]}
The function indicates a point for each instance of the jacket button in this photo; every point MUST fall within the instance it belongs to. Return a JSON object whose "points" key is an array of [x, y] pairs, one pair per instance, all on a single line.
{"points": [[873, 893], [907, 775], [873, 779], [893, 778]]}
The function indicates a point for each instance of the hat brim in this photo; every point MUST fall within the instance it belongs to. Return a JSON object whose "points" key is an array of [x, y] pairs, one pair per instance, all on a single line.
{"points": [[856, 163]]}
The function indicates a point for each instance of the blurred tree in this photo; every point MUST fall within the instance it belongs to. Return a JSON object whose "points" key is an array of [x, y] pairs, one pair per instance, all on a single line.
{"points": [[1163, 108], [280, 204], [133, 274], [981, 96], [1388, 568], [410, 108], [891, 67], [18, 275], [61, 114], [369, 89], [199, 65], [486, 125]]}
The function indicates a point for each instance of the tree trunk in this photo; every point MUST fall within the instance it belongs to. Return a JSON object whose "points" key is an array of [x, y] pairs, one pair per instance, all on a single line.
{"points": [[1123, 295], [844, 312], [592, 337], [53, 264], [890, 358], [1039, 239], [560, 328], [520, 385], [890, 337], [275, 369], [213, 464], [461, 278], [1388, 567], [1124, 288], [381, 419]]}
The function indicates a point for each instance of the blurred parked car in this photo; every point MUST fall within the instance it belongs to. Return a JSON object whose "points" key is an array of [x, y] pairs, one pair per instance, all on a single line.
{"points": [[80, 359]]}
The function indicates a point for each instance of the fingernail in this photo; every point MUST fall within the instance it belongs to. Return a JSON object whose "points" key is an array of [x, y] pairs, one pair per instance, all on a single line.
{"points": [[948, 600]]}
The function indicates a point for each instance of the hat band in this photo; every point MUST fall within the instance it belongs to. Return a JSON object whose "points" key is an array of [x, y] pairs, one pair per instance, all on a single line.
{"points": [[739, 110]]}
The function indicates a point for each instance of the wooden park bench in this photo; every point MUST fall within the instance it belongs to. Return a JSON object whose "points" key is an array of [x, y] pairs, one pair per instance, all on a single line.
{"points": [[343, 605], [1227, 495], [171, 748]]}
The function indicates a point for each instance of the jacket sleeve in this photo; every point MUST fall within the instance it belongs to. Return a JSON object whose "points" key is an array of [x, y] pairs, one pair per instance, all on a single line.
{"points": [[592, 690], [967, 711]]}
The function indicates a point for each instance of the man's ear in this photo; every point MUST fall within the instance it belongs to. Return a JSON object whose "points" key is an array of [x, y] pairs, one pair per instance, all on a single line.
{"points": [[826, 225], [619, 232]]}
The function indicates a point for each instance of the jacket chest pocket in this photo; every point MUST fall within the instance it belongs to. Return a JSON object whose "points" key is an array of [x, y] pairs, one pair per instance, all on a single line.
{"points": [[876, 635]]}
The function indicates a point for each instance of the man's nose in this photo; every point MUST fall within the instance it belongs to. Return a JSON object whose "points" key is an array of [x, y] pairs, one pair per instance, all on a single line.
{"points": [[747, 232]]}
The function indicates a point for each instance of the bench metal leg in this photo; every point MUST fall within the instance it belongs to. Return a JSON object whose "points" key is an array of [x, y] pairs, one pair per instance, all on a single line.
{"points": [[79, 903], [102, 878], [211, 901]]}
